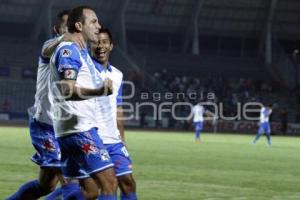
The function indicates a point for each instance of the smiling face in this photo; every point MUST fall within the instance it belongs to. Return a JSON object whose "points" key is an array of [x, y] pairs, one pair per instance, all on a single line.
{"points": [[102, 50]]}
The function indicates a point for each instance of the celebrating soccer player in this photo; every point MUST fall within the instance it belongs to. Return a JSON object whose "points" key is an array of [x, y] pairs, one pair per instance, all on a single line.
{"points": [[72, 91], [264, 127], [109, 115], [40, 125]]}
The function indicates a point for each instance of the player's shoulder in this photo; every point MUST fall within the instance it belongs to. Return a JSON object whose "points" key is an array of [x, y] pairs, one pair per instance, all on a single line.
{"points": [[64, 44], [67, 49], [49, 41], [116, 71]]}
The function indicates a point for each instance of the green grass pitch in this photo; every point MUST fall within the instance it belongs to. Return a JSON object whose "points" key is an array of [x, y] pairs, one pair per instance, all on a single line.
{"points": [[170, 166]]}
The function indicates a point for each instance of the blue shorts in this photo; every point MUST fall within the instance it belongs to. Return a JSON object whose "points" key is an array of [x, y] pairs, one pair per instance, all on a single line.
{"points": [[46, 145], [198, 126], [83, 154], [264, 128], [120, 157]]}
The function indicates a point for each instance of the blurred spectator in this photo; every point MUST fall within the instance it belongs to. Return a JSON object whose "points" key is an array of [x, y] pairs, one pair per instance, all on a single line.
{"points": [[6, 106], [228, 91], [284, 120], [297, 117]]}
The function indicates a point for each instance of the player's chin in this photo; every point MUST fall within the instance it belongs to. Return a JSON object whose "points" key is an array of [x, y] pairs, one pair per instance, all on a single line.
{"points": [[94, 39], [101, 59]]}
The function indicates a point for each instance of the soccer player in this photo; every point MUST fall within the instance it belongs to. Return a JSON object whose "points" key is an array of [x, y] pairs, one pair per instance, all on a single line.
{"points": [[198, 112], [109, 116], [264, 127], [72, 90], [40, 124]]}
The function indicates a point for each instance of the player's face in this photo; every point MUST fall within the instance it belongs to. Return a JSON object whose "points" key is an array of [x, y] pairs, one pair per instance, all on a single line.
{"points": [[63, 27], [103, 49], [91, 26]]}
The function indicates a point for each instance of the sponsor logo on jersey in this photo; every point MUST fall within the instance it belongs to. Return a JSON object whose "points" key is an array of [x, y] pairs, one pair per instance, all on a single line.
{"points": [[66, 53]]}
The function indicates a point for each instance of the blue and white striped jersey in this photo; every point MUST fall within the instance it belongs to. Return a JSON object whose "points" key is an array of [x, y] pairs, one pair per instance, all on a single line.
{"points": [[106, 111], [71, 117], [41, 108]]}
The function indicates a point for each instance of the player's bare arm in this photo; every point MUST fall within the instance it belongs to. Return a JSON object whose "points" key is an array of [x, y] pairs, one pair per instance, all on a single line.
{"points": [[72, 92], [210, 114], [48, 49], [120, 122]]}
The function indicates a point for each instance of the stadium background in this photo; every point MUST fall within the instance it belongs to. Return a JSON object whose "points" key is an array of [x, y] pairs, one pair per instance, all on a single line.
{"points": [[241, 50]]}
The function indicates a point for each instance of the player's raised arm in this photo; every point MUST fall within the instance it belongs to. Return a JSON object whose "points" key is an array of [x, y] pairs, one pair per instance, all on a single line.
{"points": [[210, 114], [51, 45], [61, 30]]}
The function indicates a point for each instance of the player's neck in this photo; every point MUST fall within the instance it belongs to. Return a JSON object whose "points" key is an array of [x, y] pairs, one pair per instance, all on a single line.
{"points": [[105, 65], [79, 37]]}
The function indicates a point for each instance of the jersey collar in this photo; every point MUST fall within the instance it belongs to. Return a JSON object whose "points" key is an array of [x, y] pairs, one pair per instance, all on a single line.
{"points": [[100, 67]]}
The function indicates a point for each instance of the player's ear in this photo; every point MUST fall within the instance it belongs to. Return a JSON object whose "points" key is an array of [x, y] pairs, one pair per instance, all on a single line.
{"points": [[111, 46], [54, 29], [78, 26]]}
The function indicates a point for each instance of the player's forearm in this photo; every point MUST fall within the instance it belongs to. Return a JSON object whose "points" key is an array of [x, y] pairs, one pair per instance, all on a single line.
{"points": [[72, 92], [210, 114], [84, 93], [120, 122], [48, 50]]}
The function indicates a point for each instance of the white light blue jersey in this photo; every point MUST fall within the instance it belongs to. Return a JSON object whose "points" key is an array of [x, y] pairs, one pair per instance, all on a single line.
{"points": [[106, 111], [265, 114], [71, 117], [198, 112], [41, 108]]}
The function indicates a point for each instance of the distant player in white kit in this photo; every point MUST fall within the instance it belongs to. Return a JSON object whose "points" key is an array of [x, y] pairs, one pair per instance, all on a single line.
{"points": [[264, 127], [198, 113]]}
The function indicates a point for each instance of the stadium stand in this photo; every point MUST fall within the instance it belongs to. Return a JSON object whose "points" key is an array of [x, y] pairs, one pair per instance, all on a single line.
{"points": [[230, 51]]}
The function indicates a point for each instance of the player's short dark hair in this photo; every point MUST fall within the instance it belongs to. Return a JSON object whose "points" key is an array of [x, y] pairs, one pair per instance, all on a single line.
{"points": [[59, 19], [107, 31], [270, 105], [76, 15]]}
